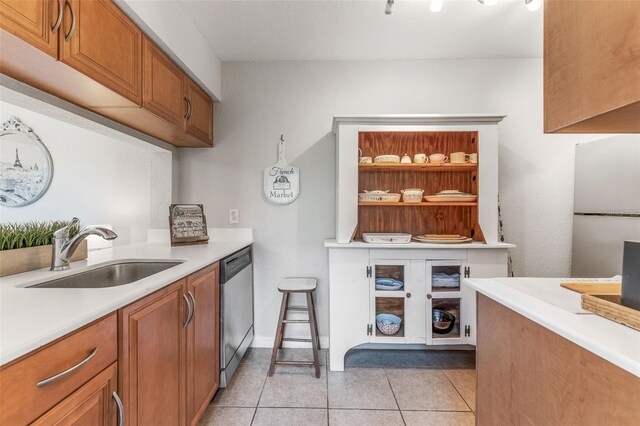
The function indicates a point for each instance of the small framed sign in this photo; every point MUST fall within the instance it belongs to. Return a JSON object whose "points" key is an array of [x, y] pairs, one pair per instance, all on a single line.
{"points": [[187, 224]]}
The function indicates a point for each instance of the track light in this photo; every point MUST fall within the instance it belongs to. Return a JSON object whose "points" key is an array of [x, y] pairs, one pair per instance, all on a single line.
{"points": [[533, 5], [488, 2], [390, 8], [436, 5]]}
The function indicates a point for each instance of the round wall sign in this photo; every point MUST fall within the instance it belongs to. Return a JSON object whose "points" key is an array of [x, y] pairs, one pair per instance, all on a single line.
{"points": [[26, 167]]}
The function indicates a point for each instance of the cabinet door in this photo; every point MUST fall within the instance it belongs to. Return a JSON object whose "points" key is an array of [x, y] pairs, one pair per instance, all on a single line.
{"points": [[446, 309], [200, 114], [92, 404], [390, 284], [34, 21], [163, 86], [104, 45], [152, 358], [203, 341]]}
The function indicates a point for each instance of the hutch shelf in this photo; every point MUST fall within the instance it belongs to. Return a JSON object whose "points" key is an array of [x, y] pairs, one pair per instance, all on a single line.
{"points": [[424, 204]]}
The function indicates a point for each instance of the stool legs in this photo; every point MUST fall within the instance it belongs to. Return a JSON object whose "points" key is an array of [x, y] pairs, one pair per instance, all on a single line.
{"points": [[280, 328], [315, 320], [315, 340], [279, 332]]}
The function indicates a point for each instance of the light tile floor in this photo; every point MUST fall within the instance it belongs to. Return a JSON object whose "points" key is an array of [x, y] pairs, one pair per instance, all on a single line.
{"points": [[437, 395]]}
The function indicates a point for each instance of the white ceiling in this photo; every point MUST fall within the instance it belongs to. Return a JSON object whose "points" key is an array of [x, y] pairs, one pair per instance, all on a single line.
{"points": [[240, 30]]}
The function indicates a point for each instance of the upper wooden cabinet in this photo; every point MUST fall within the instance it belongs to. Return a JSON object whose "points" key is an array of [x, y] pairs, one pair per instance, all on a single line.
{"points": [[592, 66], [37, 22], [200, 114], [97, 58], [102, 43], [163, 86]]}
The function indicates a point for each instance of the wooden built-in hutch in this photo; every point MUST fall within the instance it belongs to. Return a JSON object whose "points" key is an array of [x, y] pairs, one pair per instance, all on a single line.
{"points": [[427, 279]]}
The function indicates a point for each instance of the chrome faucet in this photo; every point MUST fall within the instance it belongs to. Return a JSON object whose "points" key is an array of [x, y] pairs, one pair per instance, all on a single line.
{"points": [[64, 247]]}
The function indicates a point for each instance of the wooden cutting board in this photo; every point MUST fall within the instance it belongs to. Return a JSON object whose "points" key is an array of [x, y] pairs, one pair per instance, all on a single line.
{"points": [[608, 306], [586, 287]]}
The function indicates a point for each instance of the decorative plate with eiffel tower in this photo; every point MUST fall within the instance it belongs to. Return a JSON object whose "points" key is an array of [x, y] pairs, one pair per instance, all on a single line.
{"points": [[26, 167]]}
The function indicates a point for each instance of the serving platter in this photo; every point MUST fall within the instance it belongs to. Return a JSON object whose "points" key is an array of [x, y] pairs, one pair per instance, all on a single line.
{"points": [[451, 198], [460, 240]]}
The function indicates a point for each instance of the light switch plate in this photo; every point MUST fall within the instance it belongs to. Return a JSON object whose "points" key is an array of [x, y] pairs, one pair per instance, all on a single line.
{"points": [[234, 216]]}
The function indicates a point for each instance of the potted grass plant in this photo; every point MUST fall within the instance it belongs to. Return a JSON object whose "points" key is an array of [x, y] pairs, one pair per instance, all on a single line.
{"points": [[27, 246]]}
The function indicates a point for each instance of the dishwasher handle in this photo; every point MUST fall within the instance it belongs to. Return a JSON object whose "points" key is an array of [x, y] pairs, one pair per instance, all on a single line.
{"points": [[233, 264]]}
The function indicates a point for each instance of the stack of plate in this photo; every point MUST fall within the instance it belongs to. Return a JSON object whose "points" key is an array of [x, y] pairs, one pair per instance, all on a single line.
{"points": [[442, 239], [388, 284], [451, 195]]}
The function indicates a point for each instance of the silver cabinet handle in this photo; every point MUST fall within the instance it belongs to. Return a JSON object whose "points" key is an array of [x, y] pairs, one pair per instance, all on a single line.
{"points": [[59, 20], [193, 302], [189, 311], [118, 401], [73, 21], [186, 104], [68, 371]]}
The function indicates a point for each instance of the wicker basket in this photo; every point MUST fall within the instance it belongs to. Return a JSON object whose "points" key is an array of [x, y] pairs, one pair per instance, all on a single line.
{"points": [[379, 196]]}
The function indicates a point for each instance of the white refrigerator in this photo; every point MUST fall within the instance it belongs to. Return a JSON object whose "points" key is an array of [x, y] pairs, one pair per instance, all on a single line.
{"points": [[606, 209]]}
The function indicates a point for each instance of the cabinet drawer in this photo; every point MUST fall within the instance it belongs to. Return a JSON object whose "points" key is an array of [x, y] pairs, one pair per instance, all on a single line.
{"points": [[26, 392]]}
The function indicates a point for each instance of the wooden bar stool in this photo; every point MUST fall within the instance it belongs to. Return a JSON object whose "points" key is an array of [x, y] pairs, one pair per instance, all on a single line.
{"points": [[286, 287]]}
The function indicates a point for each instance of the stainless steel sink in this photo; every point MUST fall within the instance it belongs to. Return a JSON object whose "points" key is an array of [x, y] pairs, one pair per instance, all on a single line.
{"points": [[112, 275]]}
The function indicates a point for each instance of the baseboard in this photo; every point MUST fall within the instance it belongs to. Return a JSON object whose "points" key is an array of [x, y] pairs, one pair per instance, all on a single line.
{"points": [[267, 342]]}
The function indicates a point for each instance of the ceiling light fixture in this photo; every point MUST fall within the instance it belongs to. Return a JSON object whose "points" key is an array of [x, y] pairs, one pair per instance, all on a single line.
{"points": [[488, 2], [390, 8], [436, 5], [533, 5]]}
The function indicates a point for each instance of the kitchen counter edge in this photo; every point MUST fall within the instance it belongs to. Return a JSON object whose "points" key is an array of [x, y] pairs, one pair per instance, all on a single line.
{"points": [[611, 341], [31, 329]]}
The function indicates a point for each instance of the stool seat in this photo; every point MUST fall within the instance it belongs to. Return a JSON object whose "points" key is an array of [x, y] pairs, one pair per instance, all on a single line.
{"points": [[295, 285]]}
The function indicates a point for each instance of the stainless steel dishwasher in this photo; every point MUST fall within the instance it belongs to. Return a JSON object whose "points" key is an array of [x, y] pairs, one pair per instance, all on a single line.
{"points": [[236, 311]]}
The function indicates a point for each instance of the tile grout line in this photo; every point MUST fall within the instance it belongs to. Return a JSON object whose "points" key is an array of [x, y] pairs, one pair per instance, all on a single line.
{"points": [[255, 411], [326, 369], [458, 392], [384, 370]]}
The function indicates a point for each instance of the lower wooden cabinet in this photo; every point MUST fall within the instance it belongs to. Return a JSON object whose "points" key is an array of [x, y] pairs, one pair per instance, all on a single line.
{"points": [[203, 337], [154, 362], [92, 404], [152, 358], [33, 384], [169, 352]]}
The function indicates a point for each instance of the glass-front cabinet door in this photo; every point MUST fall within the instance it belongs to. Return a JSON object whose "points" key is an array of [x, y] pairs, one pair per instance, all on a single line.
{"points": [[447, 308], [397, 310]]}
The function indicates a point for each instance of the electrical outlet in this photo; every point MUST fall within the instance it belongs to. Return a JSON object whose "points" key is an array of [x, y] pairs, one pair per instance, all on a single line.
{"points": [[234, 216]]}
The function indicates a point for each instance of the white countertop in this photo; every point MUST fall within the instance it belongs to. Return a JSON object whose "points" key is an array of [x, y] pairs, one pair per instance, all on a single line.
{"points": [[33, 317], [614, 342], [332, 243]]}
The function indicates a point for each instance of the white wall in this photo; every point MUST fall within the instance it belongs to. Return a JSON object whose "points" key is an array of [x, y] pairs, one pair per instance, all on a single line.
{"points": [[97, 178], [299, 99], [166, 23]]}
